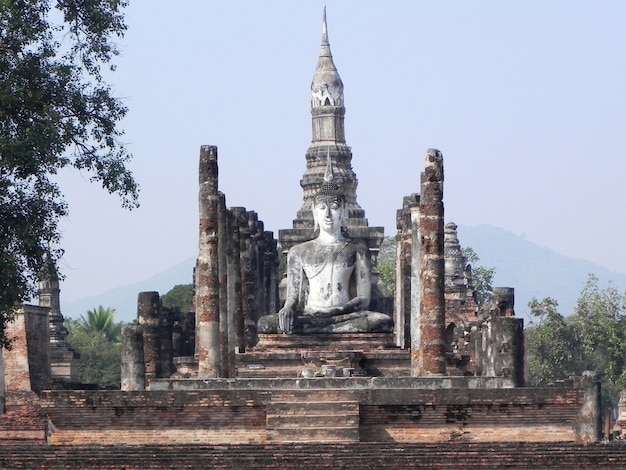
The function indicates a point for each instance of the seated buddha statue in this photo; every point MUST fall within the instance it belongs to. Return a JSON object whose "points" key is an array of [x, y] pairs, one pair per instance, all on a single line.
{"points": [[337, 270]]}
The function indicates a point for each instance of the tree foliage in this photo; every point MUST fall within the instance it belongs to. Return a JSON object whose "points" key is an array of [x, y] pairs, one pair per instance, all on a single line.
{"points": [[387, 264], [179, 296], [100, 321], [56, 111], [593, 338], [550, 347], [97, 337], [482, 276]]}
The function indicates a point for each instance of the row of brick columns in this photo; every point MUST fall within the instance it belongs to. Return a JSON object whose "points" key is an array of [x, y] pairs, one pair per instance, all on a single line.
{"points": [[236, 275], [420, 269], [235, 283]]}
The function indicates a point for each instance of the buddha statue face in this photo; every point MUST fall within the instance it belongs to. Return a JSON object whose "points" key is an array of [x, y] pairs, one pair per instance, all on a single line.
{"points": [[328, 213]]}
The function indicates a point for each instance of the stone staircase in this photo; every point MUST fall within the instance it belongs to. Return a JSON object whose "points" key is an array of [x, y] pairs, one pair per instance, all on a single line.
{"points": [[282, 456], [276, 356], [331, 417]]}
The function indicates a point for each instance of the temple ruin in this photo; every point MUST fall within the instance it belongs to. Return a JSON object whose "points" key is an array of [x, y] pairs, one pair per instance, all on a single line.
{"points": [[446, 372]]}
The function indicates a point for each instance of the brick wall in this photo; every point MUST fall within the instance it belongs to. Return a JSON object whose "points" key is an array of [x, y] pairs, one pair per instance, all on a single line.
{"points": [[131, 418], [27, 364], [239, 416]]}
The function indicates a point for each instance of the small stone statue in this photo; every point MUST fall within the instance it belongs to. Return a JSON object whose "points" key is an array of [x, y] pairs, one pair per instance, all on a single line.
{"points": [[337, 270]]}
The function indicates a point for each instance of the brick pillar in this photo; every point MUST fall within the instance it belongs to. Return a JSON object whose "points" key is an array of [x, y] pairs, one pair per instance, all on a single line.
{"points": [[222, 253], [415, 289], [207, 268], [233, 277], [240, 225], [187, 334], [247, 278], [148, 316], [590, 417], [270, 273], [404, 258], [502, 348], [27, 364], [431, 354], [16, 364], [133, 367], [166, 327]]}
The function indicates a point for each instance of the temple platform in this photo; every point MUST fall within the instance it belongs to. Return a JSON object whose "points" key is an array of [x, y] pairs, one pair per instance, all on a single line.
{"points": [[350, 341], [290, 356]]}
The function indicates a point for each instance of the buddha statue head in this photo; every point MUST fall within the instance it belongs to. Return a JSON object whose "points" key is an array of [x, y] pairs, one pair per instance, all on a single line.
{"points": [[329, 203]]}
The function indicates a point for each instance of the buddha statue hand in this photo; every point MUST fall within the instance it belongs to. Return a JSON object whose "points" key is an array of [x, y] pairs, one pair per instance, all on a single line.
{"points": [[285, 320], [354, 305]]}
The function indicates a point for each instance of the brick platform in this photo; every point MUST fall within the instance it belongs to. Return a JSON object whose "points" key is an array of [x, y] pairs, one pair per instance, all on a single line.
{"points": [[357, 456], [258, 411], [276, 355]]}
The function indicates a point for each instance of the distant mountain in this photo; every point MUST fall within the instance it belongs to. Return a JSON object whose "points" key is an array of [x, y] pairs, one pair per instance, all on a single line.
{"points": [[533, 271], [124, 299]]}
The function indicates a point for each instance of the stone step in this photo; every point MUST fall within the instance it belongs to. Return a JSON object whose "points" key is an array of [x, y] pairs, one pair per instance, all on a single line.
{"points": [[313, 415], [316, 434], [331, 342], [303, 421], [287, 456], [326, 395]]}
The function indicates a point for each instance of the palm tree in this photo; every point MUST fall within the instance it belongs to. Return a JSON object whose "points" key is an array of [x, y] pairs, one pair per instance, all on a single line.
{"points": [[101, 321]]}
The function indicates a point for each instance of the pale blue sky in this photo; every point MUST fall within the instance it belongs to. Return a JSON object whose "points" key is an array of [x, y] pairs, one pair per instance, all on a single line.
{"points": [[526, 100]]}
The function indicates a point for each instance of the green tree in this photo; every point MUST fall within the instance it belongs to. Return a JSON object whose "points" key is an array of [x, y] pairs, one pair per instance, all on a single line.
{"points": [[598, 330], [97, 337], [387, 264], [593, 338], [550, 348], [99, 358], [179, 296], [100, 321], [482, 276], [56, 111]]}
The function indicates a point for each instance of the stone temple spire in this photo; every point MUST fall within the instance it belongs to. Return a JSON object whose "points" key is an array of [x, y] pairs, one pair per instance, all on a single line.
{"points": [[327, 97], [329, 142]]}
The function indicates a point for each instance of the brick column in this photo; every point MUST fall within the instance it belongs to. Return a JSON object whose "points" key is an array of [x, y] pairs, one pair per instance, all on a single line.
{"points": [[133, 368], [240, 225], [207, 268], [247, 277], [431, 354], [166, 327], [148, 316], [270, 273], [222, 253], [415, 288], [590, 418]]}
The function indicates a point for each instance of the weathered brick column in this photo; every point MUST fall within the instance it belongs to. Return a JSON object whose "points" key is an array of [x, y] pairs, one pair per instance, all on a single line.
{"points": [[235, 293], [430, 357], [407, 222], [246, 231], [166, 331], [148, 316], [222, 252], [207, 268], [133, 368], [590, 417], [270, 273]]}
